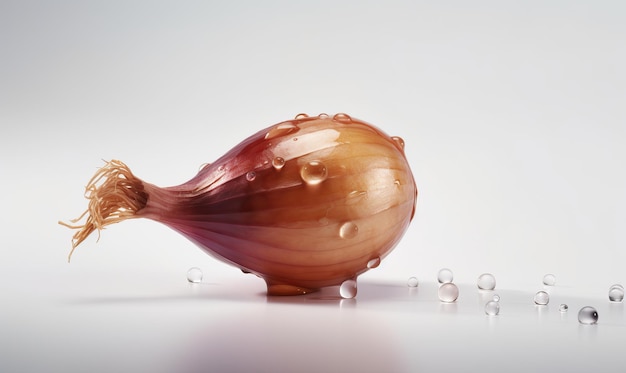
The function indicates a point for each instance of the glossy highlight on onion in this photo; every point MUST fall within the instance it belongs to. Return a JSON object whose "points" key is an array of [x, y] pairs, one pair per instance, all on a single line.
{"points": [[305, 204]]}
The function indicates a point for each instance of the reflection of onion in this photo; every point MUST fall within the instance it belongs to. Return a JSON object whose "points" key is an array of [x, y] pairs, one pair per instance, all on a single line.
{"points": [[304, 204]]}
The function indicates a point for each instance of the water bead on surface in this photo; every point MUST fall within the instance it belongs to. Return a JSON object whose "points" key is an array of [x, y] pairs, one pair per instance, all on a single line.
{"points": [[250, 176], [445, 276], [412, 282], [563, 308], [616, 293], [314, 172], [194, 275], [549, 279], [399, 142], [342, 118], [373, 263], [588, 315], [448, 292], [492, 308], [542, 298], [348, 289], [278, 163], [348, 230], [486, 281], [496, 298]]}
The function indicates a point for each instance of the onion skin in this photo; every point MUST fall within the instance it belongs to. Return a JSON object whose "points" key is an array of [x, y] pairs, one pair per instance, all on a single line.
{"points": [[305, 204]]}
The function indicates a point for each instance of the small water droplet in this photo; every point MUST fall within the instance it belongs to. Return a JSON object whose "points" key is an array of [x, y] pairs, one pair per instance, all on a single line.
{"points": [[373, 263], [486, 281], [563, 307], [313, 172], [281, 129], [348, 289], [412, 282], [492, 308], [549, 279], [343, 118], [617, 286], [588, 315], [194, 275], [542, 298], [448, 292], [295, 139], [396, 182], [221, 168], [301, 116], [616, 293], [348, 230], [444, 276], [203, 166], [278, 163], [323, 116], [495, 298], [251, 175], [399, 142]]}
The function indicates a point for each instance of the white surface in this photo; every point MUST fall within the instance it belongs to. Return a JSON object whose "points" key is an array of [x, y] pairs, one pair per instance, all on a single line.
{"points": [[514, 123]]}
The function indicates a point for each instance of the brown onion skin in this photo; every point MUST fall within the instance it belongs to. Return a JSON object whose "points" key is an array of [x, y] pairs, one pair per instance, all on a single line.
{"points": [[276, 225]]}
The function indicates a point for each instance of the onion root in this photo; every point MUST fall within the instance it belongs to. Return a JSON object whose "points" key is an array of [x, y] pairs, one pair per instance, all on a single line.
{"points": [[114, 195]]}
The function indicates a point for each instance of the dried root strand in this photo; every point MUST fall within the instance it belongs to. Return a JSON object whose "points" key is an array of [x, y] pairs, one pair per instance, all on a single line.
{"points": [[114, 195]]}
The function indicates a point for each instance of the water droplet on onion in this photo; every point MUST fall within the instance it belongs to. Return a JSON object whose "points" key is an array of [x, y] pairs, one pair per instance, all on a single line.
{"points": [[348, 230], [348, 289], [301, 116], [323, 116], [373, 263], [342, 118], [278, 163], [313, 172], [250, 176], [412, 282], [399, 142]]}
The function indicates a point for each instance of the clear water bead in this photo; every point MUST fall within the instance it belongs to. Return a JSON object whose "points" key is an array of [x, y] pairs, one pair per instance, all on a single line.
{"points": [[448, 292], [616, 293], [348, 230], [542, 298], [278, 163], [412, 282], [563, 308], [486, 281], [496, 298], [549, 279], [588, 315], [348, 289], [251, 176], [492, 308], [373, 263], [314, 172], [194, 275], [445, 276]]}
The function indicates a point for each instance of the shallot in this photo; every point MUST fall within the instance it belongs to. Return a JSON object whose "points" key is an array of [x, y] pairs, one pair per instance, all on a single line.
{"points": [[305, 204]]}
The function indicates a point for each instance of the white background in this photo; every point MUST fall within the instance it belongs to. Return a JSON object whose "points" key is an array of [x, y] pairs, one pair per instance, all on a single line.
{"points": [[514, 119]]}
